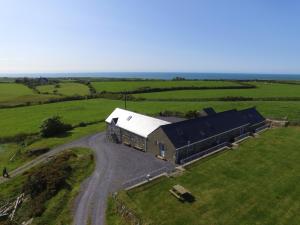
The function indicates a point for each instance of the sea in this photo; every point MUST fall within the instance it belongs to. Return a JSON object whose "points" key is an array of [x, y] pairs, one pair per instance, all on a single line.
{"points": [[166, 75]]}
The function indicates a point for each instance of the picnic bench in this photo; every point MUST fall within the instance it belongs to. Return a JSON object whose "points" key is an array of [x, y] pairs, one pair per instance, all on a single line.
{"points": [[180, 192]]}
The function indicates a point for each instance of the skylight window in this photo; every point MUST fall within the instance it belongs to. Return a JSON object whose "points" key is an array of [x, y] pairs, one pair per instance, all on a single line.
{"points": [[129, 118]]}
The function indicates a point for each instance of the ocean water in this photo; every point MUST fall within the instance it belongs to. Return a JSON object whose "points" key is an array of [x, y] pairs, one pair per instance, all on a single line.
{"points": [[169, 75]]}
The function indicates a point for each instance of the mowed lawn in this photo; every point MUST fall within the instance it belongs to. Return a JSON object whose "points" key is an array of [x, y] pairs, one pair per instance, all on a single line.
{"points": [[28, 119], [258, 183], [116, 86], [263, 90], [67, 89], [12, 94]]}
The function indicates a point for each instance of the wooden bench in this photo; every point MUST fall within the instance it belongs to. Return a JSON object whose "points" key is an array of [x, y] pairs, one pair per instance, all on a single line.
{"points": [[179, 192]]}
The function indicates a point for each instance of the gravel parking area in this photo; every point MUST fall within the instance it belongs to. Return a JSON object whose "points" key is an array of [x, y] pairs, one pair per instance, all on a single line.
{"points": [[115, 165]]}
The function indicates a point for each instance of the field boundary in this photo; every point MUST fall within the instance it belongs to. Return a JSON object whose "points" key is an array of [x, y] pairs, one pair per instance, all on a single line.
{"points": [[221, 99], [152, 90]]}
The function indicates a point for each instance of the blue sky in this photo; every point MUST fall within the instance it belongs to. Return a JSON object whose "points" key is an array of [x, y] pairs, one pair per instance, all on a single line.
{"points": [[253, 36]]}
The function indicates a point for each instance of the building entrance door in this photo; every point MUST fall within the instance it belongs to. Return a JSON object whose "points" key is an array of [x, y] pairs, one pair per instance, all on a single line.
{"points": [[162, 150]]}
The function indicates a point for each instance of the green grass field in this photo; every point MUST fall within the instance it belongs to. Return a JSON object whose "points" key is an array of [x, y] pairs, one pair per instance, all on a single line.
{"points": [[116, 86], [224, 185], [13, 155], [263, 90], [28, 119], [7, 79], [258, 183], [14, 94], [65, 88], [9, 156]]}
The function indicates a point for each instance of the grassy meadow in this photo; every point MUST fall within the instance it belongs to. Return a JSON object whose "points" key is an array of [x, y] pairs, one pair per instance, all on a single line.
{"points": [[118, 86], [234, 186], [65, 88], [28, 119], [263, 90], [258, 183], [12, 155], [14, 94]]}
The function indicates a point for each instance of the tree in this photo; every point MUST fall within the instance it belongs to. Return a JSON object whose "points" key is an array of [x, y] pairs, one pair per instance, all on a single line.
{"points": [[54, 126]]}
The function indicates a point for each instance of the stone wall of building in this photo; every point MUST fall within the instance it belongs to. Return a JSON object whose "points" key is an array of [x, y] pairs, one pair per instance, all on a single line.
{"points": [[133, 140], [159, 137]]}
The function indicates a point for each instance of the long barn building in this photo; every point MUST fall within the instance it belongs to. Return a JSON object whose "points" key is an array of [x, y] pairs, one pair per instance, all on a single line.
{"points": [[180, 141]]}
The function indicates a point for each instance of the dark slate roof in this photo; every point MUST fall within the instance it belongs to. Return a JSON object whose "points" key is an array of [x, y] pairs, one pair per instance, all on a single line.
{"points": [[171, 119], [252, 116], [209, 111], [194, 130]]}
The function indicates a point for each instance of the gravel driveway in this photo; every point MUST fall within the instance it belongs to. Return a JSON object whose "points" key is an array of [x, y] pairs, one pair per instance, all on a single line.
{"points": [[115, 165]]}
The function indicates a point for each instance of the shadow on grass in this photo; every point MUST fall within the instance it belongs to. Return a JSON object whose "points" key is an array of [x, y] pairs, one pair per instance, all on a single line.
{"points": [[63, 135], [189, 198]]}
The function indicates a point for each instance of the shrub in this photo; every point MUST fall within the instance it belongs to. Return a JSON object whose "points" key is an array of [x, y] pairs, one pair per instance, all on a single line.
{"points": [[54, 126], [46, 181], [50, 177], [171, 113], [192, 114], [82, 124], [178, 78]]}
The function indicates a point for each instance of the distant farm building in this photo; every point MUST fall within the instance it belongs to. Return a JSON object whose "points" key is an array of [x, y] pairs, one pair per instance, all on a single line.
{"points": [[179, 141]]}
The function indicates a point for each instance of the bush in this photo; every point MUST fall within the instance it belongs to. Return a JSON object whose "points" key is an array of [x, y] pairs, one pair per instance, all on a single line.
{"points": [[171, 113], [49, 178], [37, 206], [192, 114], [54, 126], [46, 181]]}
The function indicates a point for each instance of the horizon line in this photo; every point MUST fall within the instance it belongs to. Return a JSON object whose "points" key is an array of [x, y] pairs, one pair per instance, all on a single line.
{"points": [[150, 72]]}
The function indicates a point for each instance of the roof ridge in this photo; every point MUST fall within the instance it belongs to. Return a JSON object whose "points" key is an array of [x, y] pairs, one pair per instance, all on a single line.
{"points": [[201, 118]]}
